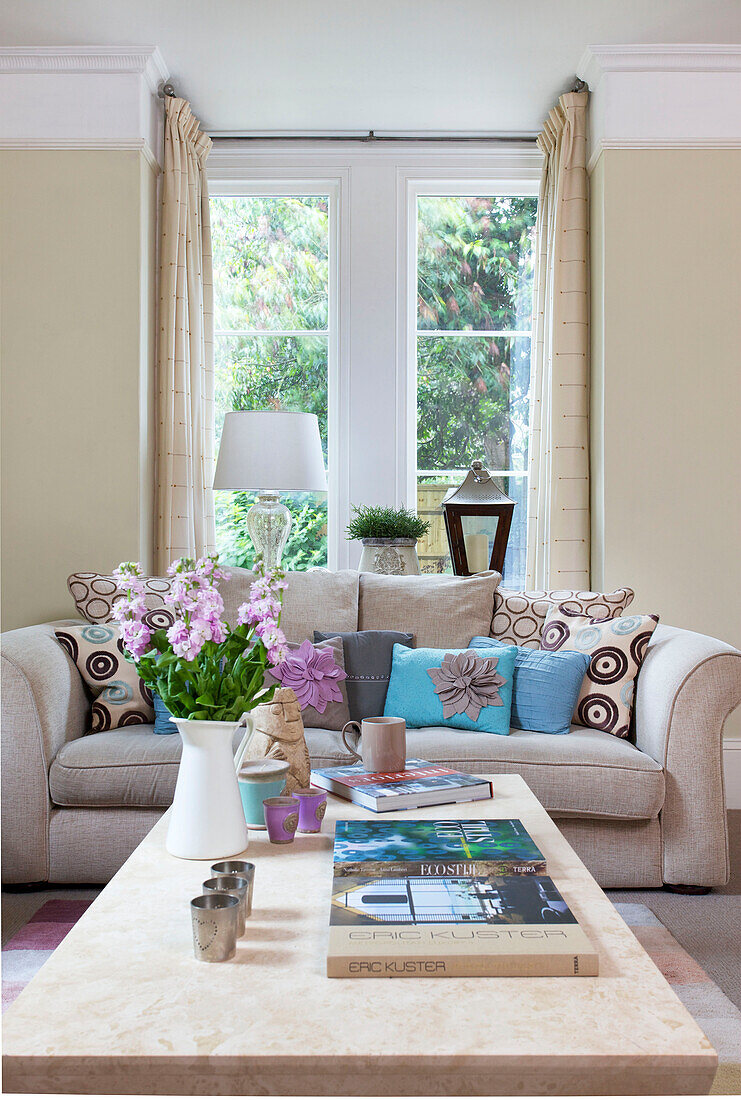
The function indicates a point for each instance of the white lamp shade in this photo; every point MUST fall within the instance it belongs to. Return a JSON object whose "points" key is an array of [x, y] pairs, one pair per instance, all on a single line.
{"points": [[271, 449]]}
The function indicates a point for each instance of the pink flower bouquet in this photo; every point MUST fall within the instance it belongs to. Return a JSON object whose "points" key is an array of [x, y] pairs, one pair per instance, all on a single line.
{"points": [[200, 667]]}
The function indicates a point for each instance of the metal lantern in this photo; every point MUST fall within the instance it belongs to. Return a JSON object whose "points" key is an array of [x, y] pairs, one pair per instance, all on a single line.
{"points": [[478, 516]]}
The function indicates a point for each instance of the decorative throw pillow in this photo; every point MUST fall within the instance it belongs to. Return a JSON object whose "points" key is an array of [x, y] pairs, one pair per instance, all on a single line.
{"points": [[316, 673], [545, 686], [368, 655], [119, 696], [460, 688], [94, 595], [162, 715], [519, 617], [616, 648]]}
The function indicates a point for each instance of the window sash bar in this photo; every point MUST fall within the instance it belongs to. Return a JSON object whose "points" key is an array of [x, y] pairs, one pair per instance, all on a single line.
{"points": [[271, 332], [488, 333]]}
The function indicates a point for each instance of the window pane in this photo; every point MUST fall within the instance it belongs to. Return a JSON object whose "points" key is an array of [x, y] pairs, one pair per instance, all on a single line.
{"points": [[472, 401], [270, 262], [256, 372], [475, 262]]}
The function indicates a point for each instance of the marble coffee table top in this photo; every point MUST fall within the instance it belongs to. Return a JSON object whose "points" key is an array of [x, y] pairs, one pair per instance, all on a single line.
{"points": [[123, 1006]]}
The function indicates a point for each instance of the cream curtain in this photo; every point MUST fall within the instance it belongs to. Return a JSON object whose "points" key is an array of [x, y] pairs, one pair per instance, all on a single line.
{"points": [[558, 496], [184, 521]]}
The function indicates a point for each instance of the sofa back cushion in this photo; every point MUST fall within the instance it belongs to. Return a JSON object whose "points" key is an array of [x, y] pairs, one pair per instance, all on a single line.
{"points": [[440, 610], [315, 600], [519, 617]]}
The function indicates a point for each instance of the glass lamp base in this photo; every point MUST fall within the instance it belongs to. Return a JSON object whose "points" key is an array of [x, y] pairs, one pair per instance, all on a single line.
{"points": [[269, 524]]}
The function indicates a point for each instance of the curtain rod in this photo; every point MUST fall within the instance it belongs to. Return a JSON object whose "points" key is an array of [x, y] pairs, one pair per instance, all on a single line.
{"points": [[168, 90], [368, 136]]}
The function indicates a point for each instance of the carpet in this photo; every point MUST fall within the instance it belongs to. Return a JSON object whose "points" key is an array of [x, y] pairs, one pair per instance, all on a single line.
{"points": [[708, 1005], [27, 951]]}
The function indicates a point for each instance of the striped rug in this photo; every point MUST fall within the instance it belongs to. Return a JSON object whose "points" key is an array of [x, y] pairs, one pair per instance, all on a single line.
{"points": [[718, 1017], [706, 1003]]}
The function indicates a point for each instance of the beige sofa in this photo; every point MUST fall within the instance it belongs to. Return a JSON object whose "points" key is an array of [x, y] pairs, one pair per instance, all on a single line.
{"points": [[640, 813]]}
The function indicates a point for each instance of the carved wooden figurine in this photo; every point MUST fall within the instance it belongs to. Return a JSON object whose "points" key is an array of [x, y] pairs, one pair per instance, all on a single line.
{"points": [[279, 734]]}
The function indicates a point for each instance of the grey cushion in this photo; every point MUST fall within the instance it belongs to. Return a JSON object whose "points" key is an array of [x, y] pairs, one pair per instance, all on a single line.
{"points": [[586, 772], [583, 772], [131, 766], [368, 657]]}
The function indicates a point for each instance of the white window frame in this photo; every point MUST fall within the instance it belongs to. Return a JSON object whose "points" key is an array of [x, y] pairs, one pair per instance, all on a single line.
{"points": [[373, 189]]}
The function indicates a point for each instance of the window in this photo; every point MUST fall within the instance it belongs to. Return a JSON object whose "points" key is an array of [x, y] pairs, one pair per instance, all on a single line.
{"points": [[272, 343], [387, 288], [473, 333]]}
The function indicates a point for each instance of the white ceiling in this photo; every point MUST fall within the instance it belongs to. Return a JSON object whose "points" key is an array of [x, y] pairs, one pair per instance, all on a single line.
{"points": [[494, 65]]}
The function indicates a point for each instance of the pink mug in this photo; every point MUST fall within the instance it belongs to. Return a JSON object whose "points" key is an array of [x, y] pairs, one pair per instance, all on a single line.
{"points": [[383, 743]]}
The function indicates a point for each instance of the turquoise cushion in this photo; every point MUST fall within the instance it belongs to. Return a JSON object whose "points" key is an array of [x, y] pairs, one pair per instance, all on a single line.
{"points": [[162, 723], [545, 690], [411, 693]]}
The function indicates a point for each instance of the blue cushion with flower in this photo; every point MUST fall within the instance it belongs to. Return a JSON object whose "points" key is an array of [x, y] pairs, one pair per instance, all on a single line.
{"points": [[545, 688], [460, 688]]}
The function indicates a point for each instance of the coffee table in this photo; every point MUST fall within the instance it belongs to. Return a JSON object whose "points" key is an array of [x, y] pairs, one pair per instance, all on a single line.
{"points": [[123, 1007]]}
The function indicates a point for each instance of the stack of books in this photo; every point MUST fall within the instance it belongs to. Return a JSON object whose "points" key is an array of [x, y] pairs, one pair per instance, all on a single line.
{"points": [[420, 784], [448, 899]]}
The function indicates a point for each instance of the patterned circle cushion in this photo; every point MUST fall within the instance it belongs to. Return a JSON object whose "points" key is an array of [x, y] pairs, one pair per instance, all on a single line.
{"points": [[119, 696], [519, 617], [616, 648], [94, 594]]}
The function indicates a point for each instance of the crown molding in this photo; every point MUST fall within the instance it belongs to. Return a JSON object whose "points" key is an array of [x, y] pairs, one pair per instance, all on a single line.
{"points": [[146, 61], [663, 96], [85, 97]]}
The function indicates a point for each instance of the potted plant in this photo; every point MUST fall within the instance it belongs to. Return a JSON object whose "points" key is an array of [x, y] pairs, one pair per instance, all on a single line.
{"points": [[209, 676], [389, 537]]}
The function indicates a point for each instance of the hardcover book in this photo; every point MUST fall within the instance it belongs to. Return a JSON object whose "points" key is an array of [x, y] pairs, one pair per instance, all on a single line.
{"points": [[427, 849], [427, 899], [420, 784]]}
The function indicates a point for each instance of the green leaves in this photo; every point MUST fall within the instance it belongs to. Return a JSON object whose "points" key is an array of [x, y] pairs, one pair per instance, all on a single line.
{"points": [[375, 522], [224, 681]]}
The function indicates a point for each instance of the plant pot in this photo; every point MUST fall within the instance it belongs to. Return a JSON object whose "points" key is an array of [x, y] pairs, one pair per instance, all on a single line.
{"points": [[394, 557], [207, 818]]}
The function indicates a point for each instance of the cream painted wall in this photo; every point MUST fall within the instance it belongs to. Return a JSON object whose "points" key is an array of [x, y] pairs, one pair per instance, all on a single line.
{"points": [[666, 394], [76, 296]]}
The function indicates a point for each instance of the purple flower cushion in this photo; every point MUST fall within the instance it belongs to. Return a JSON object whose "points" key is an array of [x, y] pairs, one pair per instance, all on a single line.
{"points": [[316, 673]]}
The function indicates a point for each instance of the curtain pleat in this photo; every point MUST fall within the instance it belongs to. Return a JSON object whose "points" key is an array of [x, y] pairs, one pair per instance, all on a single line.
{"points": [[184, 521], [558, 495]]}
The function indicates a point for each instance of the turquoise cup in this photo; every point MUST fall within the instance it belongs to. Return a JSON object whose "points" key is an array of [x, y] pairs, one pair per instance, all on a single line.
{"points": [[259, 779]]}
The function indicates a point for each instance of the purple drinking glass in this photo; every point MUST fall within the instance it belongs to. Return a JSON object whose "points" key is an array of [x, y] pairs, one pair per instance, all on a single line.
{"points": [[312, 808], [281, 818]]}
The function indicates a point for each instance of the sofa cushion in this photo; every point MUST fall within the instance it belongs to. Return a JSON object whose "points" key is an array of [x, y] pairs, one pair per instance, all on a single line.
{"points": [[519, 617], [315, 600], [586, 772], [442, 611], [124, 767], [120, 697], [94, 593]]}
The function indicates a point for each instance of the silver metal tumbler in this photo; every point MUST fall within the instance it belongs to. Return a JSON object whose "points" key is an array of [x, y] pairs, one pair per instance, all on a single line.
{"points": [[215, 921], [237, 887], [241, 868]]}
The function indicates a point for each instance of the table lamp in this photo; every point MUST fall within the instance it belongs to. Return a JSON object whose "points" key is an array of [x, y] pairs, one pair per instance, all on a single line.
{"points": [[270, 451]]}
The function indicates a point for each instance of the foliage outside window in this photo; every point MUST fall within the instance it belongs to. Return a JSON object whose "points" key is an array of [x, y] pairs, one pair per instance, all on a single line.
{"points": [[474, 320], [271, 290]]}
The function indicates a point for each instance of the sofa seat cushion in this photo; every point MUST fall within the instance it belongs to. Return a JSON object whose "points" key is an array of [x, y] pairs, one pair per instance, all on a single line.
{"points": [[123, 767], [585, 772]]}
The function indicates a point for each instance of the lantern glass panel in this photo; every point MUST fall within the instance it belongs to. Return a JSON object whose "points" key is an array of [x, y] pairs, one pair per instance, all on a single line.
{"points": [[479, 533]]}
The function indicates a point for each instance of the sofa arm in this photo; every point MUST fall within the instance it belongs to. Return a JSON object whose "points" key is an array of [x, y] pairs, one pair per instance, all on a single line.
{"points": [[43, 705], [687, 687]]}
